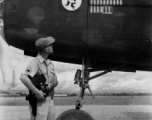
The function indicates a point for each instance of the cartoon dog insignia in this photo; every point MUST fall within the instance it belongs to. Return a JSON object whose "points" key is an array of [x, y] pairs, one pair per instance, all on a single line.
{"points": [[71, 3]]}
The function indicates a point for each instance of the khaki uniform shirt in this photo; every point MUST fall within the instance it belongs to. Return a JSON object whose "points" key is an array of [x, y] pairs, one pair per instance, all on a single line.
{"points": [[40, 66]]}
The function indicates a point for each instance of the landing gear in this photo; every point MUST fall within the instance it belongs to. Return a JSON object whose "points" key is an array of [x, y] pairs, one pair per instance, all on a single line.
{"points": [[82, 79], [74, 114], [83, 84]]}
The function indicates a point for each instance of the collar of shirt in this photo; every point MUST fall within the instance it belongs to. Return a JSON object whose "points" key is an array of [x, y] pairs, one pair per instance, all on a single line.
{"points": [[42, 60]]}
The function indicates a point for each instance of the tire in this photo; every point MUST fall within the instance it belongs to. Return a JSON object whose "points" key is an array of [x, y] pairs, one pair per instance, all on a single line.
{"points": [[74, 114]]}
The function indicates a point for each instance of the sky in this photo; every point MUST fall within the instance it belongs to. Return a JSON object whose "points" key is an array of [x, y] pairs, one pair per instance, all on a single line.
{"points": [[13, 59]]}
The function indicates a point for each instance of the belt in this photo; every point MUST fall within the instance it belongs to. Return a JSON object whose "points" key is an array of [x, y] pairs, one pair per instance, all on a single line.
{"points": [[50, 96]]}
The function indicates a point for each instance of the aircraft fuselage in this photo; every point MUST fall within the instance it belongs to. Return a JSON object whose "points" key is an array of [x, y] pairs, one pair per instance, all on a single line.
{"points": [[107, 32]]}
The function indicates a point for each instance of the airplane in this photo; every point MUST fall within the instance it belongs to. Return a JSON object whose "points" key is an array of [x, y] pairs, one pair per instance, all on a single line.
{"points": [[102, 35]]}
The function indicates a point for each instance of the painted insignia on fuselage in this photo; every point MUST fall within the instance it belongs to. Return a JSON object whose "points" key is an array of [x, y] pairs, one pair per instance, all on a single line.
{"points": [[71, 5]]}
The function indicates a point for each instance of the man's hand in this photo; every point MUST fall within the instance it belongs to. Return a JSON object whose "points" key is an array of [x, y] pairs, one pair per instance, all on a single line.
{"points": [[53, 84], [49, 87], [40, 95]]}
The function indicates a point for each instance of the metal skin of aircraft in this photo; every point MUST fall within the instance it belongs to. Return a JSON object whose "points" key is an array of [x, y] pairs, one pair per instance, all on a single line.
{"points": [[102, 35]]}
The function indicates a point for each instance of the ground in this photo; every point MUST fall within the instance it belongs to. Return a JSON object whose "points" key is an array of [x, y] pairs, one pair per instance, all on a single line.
{"points": [[98, 112]]}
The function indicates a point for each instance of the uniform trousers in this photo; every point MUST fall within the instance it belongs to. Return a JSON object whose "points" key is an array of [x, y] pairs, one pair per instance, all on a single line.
{"points": [[45, 110]]}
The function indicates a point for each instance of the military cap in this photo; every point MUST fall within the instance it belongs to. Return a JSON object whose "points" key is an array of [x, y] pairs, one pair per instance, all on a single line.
{"points": [[41, 43]]}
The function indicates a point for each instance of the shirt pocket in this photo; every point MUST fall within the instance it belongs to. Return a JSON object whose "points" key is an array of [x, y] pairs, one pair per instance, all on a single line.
{"points": [[51, 75], [52, 71]]}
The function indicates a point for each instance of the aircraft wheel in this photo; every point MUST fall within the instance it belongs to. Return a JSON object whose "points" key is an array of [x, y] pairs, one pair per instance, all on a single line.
{"points": [[74, 114]]}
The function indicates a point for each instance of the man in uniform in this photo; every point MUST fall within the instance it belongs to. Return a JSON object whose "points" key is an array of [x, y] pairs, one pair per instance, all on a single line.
{"points": [[38, 66]]}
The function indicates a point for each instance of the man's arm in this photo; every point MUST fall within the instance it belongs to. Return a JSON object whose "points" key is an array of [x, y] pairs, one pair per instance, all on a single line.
{"points": [[27, 82], [53, 85]]}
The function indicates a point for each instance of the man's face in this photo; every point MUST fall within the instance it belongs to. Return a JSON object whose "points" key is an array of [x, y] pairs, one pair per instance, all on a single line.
{"points": [[50, 49]]}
